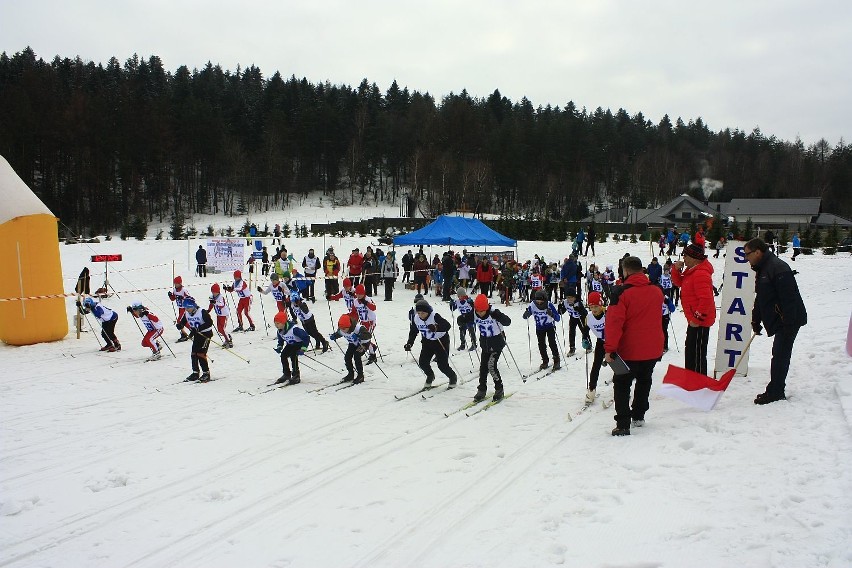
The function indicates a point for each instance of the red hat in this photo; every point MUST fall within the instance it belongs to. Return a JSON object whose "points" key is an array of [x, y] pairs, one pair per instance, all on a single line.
{"points": [[360, 290], [345, 322], [280, 317], [215, 288], [347, 283], [595, 299], [480, 304], [238, 275], [178, 280]]}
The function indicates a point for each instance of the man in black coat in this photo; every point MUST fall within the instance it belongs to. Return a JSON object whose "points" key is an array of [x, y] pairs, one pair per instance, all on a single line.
{"points": [[448, 270], [779, 307], [407, 265], [201, 259]]}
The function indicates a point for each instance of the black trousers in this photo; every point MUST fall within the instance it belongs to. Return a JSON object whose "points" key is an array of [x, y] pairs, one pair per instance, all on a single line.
{"points": [[440, 350], [782, 349], [621, 384], [597, 363], [485, 288], [332, 286], [290, 356], [695, 351], [200, 343], [310, 326], [488, 366], [389, 289], [308, 292], [108, 333], [352, 360], [202, 270], [666, 320], [573, 324], [550, 334]]}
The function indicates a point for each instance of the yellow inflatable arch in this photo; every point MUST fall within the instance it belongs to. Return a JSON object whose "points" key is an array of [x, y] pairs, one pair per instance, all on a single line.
{"points": [[29, 256]]}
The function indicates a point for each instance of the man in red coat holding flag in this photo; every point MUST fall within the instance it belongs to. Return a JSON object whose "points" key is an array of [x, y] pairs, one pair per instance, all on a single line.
{"points": [[634, 333], [694, 276]]}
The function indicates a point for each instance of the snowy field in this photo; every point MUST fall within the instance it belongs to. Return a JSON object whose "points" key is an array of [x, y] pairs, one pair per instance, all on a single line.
{"points": [[109, 461]]}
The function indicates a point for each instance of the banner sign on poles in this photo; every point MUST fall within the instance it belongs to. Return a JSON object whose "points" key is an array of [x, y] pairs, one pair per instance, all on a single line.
{"points": [[225, 255], [734, 319]]}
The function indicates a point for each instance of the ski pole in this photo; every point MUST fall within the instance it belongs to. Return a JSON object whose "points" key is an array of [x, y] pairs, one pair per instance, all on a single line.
{"points": [[671, 325], [228, 349], [529, 341], [378, 349], [263, 311], [444, 349], [166, 343], [98, 339], [320, 362], [513, 357]]}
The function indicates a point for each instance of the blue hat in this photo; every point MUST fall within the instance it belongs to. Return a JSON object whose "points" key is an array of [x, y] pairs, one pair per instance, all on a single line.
{"points": [[189, 304], [295, 297], [89, 303]]}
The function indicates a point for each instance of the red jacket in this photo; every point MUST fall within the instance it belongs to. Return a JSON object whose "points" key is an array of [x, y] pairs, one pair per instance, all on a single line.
{"points": [[634, 325], [485, 274], [356, 264], [696, 293]]}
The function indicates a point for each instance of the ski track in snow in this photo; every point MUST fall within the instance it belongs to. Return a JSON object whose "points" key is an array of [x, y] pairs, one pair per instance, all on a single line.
{"points": [[106, 461]]}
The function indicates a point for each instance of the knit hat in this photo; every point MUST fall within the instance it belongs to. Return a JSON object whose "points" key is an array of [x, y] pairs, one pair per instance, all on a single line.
{"points": [[418, 298], [595, 299], [423, 306], [480, 304], [460, 291], [345, 322], [695, 251]]}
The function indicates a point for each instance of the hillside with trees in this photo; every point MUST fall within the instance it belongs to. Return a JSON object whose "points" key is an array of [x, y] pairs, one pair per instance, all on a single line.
{"points": [[103, 143]]}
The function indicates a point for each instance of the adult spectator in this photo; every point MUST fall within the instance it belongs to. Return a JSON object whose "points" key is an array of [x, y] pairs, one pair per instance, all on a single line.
{"points": [[389, 270], [485, 274], [671, 239], [769, 237], [694, 276], [331, 269], [655, 271], [568, 277], [634, 332], [201, 260], [797, 245], [311, 263], [264, 259], [421, 271], [779, 308], [448, 270], [699, 238], [355, 264], [407, 266], [370, 272], [590, 240]]}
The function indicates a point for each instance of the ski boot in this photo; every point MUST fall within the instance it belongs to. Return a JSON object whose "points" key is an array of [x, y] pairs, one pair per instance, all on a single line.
{"points": [[590, 396], [156, 355], [295, 379], [358, 380], [638, 422], [544, 365], [111, 349], [230, 343], [498, 391], [204, 378], [285, 378], [183, 337], [117, 346], [556, 364], [371, 358], [620, 431], [472, 346], [105, 348], [571, 351], [238, 328], [347, 378], [326, 347], [462, 345], [453, 383], [192, 377], [480, 394], [250, 328]]}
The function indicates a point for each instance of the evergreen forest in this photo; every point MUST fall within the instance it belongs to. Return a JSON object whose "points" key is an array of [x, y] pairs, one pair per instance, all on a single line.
{"points": [[103, 143]]}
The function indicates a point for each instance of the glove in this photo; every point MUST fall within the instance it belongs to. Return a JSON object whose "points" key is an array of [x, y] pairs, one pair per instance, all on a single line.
{"points": [[550, 313], [278, 349], [361, 349], [332, 337], [587, 344], [171, 297], [179, 327], [259, 289], [79, 305], [407, 347], [756, 327], [303, 350], [561, 308], [432, 327], [526, 314]]}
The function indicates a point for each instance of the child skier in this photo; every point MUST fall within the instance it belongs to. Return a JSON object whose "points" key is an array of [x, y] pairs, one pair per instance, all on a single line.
{"points": [[303, 313], [435, 342], [464, 305], [108, 319], [668, 309], [278, 289], [153, 327], [200, 326], [595, 321], [358, 338], [292, 342], [348, 294], [576, 318], [490, 323], [219, 306], [178, 295], [545, 315], [364, 308], [241, 287]]}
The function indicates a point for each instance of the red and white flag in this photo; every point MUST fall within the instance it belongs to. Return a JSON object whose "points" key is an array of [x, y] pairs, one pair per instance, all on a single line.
{"points": [[695, 389]]}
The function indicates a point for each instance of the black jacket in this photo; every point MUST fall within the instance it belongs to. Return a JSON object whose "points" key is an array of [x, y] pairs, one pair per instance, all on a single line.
{"points": [[778, 303]]}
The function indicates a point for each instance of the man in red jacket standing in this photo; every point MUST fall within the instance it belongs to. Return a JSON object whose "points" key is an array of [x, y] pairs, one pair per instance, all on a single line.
{"points": [[634, 332], [356, 266], [696, 298]]}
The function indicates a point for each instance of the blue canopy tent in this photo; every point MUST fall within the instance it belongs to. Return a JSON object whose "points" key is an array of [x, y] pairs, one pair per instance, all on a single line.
{"points": [[447, 230]]}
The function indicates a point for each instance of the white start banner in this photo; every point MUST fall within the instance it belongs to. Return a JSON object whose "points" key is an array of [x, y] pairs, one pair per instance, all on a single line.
{"points": [[735, 312], [225, 255]]}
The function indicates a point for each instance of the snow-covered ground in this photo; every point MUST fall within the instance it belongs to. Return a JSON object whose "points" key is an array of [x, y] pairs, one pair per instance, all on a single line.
{"points": [[109, 461]]}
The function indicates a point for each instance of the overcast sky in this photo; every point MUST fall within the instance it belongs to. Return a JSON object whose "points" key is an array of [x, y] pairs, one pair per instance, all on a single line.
{"points": [[783, 66]]}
